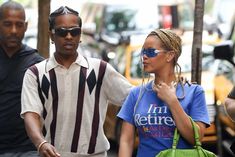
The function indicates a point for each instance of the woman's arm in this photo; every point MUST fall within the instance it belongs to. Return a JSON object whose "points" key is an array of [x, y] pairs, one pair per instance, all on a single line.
{"points": [[182, 121], [184, 125], [127, 140]]}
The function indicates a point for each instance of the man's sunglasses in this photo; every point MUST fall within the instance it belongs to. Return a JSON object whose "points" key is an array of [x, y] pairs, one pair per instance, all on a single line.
{"points": [[63, 32], [150, 52]]}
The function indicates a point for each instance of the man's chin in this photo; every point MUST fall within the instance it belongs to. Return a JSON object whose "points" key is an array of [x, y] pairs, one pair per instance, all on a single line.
{"points": [[13, 44]]}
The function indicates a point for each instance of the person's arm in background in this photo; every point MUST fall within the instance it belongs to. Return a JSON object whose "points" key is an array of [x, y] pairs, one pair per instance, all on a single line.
{"points": [[230, 104]]}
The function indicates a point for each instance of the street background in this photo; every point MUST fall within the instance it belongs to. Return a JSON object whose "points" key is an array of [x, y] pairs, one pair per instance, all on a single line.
{"points": [[108, 34]]}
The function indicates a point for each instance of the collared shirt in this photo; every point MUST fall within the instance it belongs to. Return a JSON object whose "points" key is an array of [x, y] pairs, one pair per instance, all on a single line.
{"points": [[73, 102]]}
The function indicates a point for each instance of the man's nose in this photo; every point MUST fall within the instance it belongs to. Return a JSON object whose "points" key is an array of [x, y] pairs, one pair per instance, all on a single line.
{"points": [[13, 29], [69, 35]]}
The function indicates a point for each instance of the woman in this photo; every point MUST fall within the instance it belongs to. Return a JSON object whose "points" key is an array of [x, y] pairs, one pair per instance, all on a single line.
{"points": [[156, 108]]}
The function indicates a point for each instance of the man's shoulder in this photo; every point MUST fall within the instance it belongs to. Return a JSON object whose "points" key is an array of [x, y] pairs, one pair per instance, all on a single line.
{"points": [[36, 56], [42, 63], [31, 54], [95, 62], [39, 66]]}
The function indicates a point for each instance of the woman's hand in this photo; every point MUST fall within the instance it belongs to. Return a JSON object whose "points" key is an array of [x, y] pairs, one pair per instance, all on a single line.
{"points": [[166, 93]]}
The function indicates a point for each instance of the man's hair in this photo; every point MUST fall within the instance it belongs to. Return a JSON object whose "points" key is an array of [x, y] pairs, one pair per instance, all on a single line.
{"points": [[62, 11], [11, 5]]}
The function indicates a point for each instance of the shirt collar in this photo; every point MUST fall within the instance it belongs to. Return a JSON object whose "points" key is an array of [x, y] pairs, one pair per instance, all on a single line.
{"points": [[52, 63]]}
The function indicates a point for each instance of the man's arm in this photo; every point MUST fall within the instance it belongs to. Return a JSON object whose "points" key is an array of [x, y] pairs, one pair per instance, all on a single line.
{"points": [[230, 107], [33, 128]]}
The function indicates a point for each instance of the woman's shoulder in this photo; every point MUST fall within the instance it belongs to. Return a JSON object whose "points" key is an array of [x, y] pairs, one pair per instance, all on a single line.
{"points": [[136, 89], [142, 87], [193, 86]]}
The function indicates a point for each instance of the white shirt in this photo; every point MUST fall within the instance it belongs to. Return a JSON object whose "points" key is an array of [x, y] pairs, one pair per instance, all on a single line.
{"points": [[68, 117]]}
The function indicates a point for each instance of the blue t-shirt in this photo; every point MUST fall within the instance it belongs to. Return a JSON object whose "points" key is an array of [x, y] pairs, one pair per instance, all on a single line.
{"points": [[153, 119]]}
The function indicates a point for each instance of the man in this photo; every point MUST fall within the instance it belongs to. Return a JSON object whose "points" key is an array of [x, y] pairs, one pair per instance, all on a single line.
{"points": [[15, 58], [65, 98], [230, 108]]}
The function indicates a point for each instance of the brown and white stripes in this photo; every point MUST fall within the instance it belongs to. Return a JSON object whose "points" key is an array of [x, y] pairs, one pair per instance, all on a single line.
{"points": [[73, 102]]}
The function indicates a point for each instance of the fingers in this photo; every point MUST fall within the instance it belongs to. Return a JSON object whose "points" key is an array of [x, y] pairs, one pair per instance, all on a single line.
{"points": [[161, 83], [173, 84], [157, 87], [47, 150], [163, 86]]}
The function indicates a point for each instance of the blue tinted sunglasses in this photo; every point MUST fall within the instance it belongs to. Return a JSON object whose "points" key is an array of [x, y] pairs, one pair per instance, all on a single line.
{"points": [[150, 52]]}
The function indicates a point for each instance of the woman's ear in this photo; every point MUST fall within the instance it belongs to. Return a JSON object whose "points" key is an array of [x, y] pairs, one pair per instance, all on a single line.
{"points": [[170, 56]]}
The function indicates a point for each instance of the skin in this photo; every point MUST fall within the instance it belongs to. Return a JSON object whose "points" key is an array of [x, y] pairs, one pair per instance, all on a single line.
{"points": [[66, 53], [163, 67], [12, 29]]}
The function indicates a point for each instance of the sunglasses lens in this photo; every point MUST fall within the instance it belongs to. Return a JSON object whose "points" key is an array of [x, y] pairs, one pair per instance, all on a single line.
{"points": [[149, 52], [63, 32], [75, 31]]}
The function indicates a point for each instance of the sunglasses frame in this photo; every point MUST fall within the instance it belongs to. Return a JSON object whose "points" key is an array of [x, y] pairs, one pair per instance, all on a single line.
{"points": [[63, 32], [149, 52]]}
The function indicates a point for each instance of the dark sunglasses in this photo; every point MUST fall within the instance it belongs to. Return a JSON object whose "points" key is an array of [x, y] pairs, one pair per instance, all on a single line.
{"points": [[63, 32], [150, 52]]}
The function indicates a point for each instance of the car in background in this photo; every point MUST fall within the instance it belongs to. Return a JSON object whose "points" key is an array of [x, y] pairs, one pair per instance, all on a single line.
{"points": [[226, 52], [218, 16], [110, 27]]}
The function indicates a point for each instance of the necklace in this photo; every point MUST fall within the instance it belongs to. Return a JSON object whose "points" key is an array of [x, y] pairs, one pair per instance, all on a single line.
{"points": [[154, 86]]}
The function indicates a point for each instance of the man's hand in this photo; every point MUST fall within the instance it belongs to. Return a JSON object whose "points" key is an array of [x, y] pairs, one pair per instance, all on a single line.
{"points": [[47, 150]]}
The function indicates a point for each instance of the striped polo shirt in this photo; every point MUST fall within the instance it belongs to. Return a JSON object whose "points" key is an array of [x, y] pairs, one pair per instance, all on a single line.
{"points": [[73, 103]]}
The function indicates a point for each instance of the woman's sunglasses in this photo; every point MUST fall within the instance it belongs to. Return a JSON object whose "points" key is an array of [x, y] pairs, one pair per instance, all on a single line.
{"points": [[150, 52], [63, 32]]}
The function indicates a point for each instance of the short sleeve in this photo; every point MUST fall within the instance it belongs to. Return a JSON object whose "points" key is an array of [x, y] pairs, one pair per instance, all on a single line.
{"points": [[127, 109], [199, 110], [116, 86], [29, 97]]}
